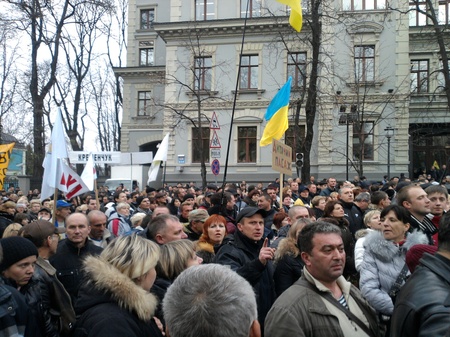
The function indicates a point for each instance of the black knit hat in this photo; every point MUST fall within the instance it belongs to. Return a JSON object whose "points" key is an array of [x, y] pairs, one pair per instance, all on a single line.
{"points": [[15, 248]]}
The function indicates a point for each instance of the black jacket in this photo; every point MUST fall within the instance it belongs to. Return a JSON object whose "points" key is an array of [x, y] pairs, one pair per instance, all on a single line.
{"points": [[242, 255], [68, 262], [422, 307], [111, 305], [287, 271], [354, 215]]}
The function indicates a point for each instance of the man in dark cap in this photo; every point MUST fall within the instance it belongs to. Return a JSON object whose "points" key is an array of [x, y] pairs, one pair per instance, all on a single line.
{"points": [[248, 253]]}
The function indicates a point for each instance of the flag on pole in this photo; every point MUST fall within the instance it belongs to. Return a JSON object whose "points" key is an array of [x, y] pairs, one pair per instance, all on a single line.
{"points": [[69, 181], [5, 153], [296, 17], [161, 155], [57, 150], [277, 115], [436, 165], [89, 173]]}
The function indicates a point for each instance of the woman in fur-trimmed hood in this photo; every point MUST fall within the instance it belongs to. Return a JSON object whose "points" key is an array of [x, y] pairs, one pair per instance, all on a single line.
{"points": [[115, 299], [384, 257]]}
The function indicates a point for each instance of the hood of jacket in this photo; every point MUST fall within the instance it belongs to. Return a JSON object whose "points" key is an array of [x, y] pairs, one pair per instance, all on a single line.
{"points": [[116, 287], [385, 250]]}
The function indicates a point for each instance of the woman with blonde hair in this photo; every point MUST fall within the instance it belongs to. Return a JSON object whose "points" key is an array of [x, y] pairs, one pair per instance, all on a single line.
{"points": [[115, 299], [12, 230], [7, 212], [288, 262], [214, 231], [372, 221]]}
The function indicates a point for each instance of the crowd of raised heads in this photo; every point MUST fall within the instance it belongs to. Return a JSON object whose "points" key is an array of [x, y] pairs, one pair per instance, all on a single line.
{"points": [[170, 261]]}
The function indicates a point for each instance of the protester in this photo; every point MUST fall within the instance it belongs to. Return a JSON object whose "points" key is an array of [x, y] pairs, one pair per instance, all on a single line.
{"points": [[115, 300], [219, 303], [119, 221], [99, 234], [372, 220], [214, 231]]}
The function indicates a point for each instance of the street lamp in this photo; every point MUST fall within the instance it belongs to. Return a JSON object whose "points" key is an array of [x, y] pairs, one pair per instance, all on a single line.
{"points": [[389, 133]]}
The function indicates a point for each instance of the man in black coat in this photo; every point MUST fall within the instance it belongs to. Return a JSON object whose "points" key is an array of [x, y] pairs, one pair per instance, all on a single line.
{"points": [[71, 252], [248, 254], [422, 307]]}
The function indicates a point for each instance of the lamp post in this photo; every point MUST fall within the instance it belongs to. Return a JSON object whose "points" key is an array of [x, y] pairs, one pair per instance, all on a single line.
{"points": [[389, 133]]}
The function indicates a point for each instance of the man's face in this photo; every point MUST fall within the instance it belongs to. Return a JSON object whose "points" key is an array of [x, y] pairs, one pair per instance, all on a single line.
{"points": [[438, 202], [35, 207], [174, 231], [159, 211], [294, 187], [264, 204], [331, 183], [63, 212], [418, 203], [304, 193], [299, 213], [272, 193], [77, 229], [98, 226], [385, 202], [186, 209], [92, 205], [252, 227], [44, 215], [231, 203], [145, 204], [327, 259], [313, 188], [346, 194], [122, 198]]}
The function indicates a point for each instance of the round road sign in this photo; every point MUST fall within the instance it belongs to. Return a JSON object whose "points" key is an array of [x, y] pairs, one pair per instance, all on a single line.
{"points": [[215, 167]]}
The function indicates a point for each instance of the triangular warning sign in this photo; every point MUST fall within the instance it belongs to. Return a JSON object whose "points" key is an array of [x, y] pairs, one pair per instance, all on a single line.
{"points": [[215, 143], [214, 124]]}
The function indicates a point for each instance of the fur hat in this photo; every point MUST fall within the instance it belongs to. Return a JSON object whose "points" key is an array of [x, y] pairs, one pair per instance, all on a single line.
{"points": [[14, 249]]}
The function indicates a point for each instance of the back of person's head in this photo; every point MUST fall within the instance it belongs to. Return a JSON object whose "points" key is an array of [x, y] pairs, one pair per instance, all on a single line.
{"points": [[174, 258], [377, 197], [219, 303], [12, 230], [362, 196], [132, 255], [444, 233], [159, 224], [403, 193], [306, 236]]}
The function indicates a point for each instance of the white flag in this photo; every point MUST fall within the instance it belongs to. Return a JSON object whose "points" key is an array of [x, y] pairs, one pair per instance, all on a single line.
{"points": [[57, 150], [161, 155], [69, 181], [89, 173]]}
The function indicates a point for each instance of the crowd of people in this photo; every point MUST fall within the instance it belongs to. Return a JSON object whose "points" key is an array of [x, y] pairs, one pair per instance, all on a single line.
{"points": [[284, 259]]}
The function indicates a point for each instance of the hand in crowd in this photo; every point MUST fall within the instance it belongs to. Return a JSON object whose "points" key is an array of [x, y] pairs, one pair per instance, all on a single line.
{"points": [[266, 253]]}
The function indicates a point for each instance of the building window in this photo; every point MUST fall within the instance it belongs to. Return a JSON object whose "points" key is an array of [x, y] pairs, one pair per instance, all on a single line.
{"points": [[146, 53], [296, 67], [363, 140], [196, 138], [444, 12], [419, 76], [363, 5], [147, 18], [415, 17], [247, 144], [364, 63], [144, 103], [254, 10], [203, 73], [249, 72], [204, 10], [292, 140]]}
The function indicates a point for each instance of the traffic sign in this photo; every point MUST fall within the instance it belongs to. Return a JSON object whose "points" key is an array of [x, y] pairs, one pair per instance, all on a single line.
{"points": [[215, 167], [215, 153], [214, 124], [215, 143]]}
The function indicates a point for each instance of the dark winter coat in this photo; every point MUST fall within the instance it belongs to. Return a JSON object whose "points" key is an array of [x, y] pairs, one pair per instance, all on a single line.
{"points": [[111, 305], [422, 307], [68, 262], [5, 220], [287, 271], [242, 255], [354, 216]]}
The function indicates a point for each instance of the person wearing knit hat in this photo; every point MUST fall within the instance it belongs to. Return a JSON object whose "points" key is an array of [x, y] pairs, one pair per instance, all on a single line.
{"points": [[194, 228], [19, 257], [415, 253]]}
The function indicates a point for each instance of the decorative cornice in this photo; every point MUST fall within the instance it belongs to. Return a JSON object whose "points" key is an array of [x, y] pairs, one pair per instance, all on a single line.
{"points": [[154, 71]]}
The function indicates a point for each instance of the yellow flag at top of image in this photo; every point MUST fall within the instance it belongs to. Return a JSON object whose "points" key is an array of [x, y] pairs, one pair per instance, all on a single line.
{"points": [[296, 17]]}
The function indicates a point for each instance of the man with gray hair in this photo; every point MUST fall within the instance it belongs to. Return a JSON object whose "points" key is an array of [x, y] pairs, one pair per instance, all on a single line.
{"points": [[164, 228], [221, 302]]}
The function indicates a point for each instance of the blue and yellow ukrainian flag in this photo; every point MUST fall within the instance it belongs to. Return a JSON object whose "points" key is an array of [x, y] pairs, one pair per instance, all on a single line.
{"points": [[296, 17], [277, 115]]}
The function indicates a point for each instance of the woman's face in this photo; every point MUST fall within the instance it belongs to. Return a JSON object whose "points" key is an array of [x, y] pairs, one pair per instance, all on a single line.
{"points": [[321, 204], [194, 261], [21, 271], [11, 210], [216, 232], [287, 201], [177, 203], [393, 229], [148, 279], [255, 197], [375, 222], [338, 211]]}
